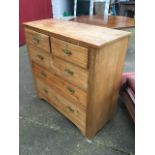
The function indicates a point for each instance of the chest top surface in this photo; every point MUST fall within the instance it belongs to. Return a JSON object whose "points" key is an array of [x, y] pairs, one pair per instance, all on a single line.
{"points": [[94, 36]]}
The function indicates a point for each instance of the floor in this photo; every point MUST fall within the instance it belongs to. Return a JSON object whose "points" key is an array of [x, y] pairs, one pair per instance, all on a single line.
{"points": [[44, 131]]}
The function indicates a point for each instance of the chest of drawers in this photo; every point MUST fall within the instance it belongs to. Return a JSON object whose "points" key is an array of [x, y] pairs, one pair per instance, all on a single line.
{"points": [[77, 69]]}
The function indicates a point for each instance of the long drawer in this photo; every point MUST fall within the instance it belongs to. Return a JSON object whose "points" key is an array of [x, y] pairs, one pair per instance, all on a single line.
{"points": [[70, 91], [39, 56], [72, 53], [38, 39], [69, 72], [70, 110]]}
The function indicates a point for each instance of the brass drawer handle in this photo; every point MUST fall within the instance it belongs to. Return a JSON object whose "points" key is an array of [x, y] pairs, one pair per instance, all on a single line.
{"points": [[67, 52], [69, 71], [70, 109], [45, 90], [40, 57], [35, 40], [43, 73], [71, 90]]}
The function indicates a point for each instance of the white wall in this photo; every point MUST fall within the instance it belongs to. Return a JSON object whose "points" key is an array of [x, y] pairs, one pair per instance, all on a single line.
{"points": [[59, 7]]}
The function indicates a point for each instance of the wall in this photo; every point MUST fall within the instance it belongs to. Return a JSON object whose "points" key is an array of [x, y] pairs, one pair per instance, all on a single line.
{"points": [[60, 6], [30, 10]]}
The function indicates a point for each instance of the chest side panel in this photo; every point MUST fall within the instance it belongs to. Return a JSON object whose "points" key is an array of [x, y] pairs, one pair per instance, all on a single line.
{"points": [[106, 66]]}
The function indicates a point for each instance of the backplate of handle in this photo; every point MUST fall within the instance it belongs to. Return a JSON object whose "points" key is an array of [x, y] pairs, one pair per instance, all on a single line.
{"points": [[40, 57], [35, 40], [69, 71], [70, 109], [71, 90], [67, 52]]}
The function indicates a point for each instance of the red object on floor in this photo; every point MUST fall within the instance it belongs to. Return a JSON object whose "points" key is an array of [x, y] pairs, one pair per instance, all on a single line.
{"points": [[129, 77], [128, 93], [30, 10]]}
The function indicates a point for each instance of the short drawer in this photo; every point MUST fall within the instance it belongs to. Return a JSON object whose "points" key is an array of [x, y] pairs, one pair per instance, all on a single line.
{"points": [[39, 56], [38, 39], [69, 72], [72, 53], [69, 109], [68, 90]]}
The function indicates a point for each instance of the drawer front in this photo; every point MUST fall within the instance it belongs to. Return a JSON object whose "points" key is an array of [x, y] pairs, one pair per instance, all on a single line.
{"points": [[38, 39], [39, 56], [69, 72], [68, 90], [70, 52], [70, 110]]}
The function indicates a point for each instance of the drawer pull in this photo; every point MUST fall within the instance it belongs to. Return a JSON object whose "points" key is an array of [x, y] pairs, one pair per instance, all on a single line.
{"points": [[70, 109], [69, 71], [35, 40], [40, 57], [71, 90], [43, 73], [67, 52], [45, 90]]}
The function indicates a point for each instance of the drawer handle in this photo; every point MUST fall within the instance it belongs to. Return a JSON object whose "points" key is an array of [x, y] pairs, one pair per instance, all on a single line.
{"points": [[45, 90], [71, 90], [67, 52], [43, 73], [69, 71], [70, 109], [35, 40], [40, 57]]}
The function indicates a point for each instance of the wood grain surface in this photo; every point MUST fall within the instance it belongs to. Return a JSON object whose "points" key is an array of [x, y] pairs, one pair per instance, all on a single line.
{"points": [[38, 39], [115, 22], [40, 56], [70, 52], [79, 33], [71, 92], [70, 72], [104, 82], [69, 109], [80, 73]]}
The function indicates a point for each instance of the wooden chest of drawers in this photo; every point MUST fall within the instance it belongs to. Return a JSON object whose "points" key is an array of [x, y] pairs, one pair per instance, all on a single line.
{"points": [[77, 68]]}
